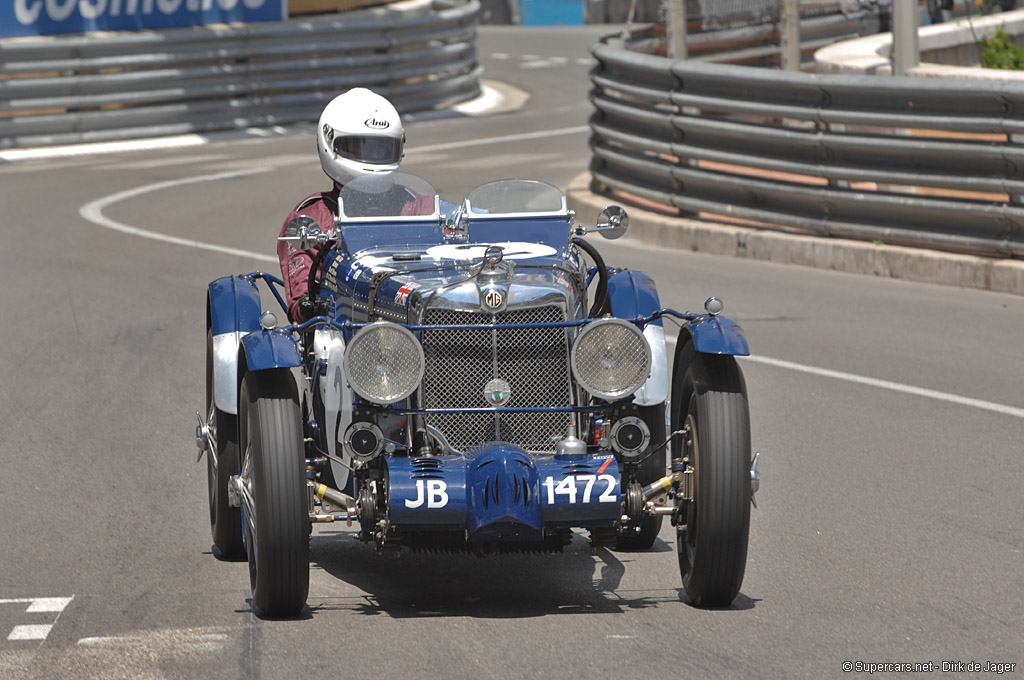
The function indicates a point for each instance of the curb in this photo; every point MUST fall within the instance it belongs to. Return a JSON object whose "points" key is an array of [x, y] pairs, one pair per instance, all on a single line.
{"points": [[842, 255]]}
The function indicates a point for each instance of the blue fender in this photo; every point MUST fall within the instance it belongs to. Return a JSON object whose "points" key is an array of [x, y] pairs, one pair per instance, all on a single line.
{"points": [[234, 305], [233, 309], [270, 349], [716, 335], [634, 294]]}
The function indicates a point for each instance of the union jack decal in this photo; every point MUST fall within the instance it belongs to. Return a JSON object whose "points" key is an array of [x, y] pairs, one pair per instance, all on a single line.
{"points": [[403, 293]]}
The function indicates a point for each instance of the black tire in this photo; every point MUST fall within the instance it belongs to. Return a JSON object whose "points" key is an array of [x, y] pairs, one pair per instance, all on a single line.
{"points": [[710, 395], [274, 495], [225, 521], [650, 470]]}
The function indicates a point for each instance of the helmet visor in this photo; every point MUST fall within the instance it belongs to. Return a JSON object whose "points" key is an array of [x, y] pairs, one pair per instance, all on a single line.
{"points": [[376, 149]]}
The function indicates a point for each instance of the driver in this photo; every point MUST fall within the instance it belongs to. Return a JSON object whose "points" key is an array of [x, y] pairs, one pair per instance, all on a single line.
{"points": [[359, 133]]}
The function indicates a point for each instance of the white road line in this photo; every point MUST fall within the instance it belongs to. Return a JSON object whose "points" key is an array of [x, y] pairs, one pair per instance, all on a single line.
{"points": [[194, 639], [882, 384], [37, 605], [48, 604], [93, 211], [30, 632], [176, 142], [889, 385], [41, 604]]}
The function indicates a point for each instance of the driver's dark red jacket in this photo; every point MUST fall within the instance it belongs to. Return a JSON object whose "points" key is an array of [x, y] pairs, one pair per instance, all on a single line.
{"points": [[322, 207], [295, 263]]}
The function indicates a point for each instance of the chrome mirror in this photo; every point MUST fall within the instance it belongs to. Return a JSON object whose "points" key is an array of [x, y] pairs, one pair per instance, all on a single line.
{"points": [[612, 222]]}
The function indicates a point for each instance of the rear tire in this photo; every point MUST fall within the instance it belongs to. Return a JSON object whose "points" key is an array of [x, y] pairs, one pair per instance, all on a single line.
{"points": [[274, 495], [651, 470], [709, 395], [225, 521]]}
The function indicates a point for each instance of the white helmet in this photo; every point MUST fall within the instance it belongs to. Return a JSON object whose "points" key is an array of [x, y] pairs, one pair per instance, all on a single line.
{"points": [[359, 133]]}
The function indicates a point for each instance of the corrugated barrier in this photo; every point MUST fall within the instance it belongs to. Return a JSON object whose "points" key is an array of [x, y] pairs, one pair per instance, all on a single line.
{"points": [[109, 86], [909, 161]]}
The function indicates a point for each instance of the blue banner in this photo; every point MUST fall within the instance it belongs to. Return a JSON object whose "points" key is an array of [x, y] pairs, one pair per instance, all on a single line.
{"points": [[50, 17]]}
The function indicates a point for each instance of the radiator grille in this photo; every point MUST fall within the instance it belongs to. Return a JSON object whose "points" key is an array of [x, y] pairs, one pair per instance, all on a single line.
{"points": [[534, 362]]}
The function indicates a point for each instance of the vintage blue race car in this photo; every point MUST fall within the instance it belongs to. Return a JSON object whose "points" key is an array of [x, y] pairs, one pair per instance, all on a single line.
{"points": [[471, 383]]}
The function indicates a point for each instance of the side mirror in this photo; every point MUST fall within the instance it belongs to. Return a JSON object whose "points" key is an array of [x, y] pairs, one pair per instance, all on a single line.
{"points": [[612, 222], [304, 232]]}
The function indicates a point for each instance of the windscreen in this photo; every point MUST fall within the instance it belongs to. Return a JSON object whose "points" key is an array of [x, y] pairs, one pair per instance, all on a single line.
{"points": [[512, 196], [387, 194]]}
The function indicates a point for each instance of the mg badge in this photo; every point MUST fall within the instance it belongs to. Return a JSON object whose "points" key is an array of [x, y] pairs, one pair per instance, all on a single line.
{"points": [[497, 392], [494, 298]]}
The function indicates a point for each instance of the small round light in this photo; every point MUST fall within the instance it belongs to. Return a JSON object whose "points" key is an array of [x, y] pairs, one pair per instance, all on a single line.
{"points": [[268, 321], [630, 436], [364, 440], [611, 358], [384, 362], [714, 306]]}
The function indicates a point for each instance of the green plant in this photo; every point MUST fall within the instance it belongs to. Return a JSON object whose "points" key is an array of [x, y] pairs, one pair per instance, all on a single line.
{"points": [[1001, 52]]}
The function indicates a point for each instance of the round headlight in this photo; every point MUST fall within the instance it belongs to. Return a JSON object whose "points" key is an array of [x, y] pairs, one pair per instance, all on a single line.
{"points": [[611, 358], [384, 363]]}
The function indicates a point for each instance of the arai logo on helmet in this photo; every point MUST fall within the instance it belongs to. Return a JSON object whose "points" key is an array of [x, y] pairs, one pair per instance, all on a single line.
{"points": [[376, 123]]}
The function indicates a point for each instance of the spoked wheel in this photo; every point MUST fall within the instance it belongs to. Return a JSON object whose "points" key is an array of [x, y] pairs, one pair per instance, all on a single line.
{"points": [[273, 492], [221, 463], [709, 404], [651, 470]]}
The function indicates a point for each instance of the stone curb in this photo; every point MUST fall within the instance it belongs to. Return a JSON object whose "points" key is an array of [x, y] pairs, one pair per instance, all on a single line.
{"points": [[856, 257]]}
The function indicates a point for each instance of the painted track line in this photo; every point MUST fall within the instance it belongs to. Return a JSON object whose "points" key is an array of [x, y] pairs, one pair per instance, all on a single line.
{"points": [[881, 384], [890, 385], [93, 212]]}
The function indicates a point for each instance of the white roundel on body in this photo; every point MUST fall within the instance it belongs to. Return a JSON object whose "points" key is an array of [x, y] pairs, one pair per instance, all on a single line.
{"points": [[510, 250]]}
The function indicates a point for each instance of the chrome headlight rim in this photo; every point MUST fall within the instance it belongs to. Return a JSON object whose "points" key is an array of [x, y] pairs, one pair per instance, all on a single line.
{"points": [[626, 390], [362, 335]]}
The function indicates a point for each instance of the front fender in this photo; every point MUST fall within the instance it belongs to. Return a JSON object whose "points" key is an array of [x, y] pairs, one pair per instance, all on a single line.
{"points": [[716, 335], [232, 310], [634, 294], [270, 349]]}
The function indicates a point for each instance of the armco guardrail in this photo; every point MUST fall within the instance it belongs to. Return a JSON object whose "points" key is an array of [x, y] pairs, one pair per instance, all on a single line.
{"points": [[125, 85], [906, 161], [760, 44]]}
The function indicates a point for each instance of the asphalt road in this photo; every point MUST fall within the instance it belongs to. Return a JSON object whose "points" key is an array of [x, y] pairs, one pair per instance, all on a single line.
{"points": [[890, 416]]}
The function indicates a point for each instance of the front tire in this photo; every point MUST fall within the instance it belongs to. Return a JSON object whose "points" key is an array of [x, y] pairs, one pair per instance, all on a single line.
{"points": [[274, 492], [709, 401], [225, 521]]}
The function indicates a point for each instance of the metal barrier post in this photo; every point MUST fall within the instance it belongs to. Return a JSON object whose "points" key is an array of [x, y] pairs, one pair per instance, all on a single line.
{"points": [[906, 52], [790, 35], [677, 29]]}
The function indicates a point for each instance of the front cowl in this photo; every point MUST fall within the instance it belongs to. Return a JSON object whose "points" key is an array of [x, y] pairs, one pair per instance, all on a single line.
{"points": [[503, 489]]}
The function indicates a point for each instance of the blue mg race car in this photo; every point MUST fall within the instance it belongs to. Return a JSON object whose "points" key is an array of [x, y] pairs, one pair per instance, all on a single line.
{"points": [[478, 381]]}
